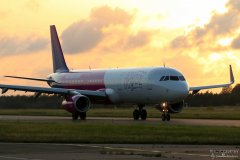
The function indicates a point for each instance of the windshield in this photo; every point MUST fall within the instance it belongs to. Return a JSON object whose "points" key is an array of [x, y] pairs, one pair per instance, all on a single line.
{"points": [[172, 78]]}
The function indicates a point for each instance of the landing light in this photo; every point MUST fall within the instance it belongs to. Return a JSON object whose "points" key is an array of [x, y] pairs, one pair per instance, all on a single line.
{"points": [[164, 104], [165, 110]]}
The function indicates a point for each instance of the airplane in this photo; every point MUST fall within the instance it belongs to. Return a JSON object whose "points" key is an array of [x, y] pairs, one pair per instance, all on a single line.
{"points": [[164, 87]]}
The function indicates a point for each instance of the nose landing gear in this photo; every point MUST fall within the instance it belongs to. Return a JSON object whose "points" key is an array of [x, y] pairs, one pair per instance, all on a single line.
{"points": [[165, 116]]}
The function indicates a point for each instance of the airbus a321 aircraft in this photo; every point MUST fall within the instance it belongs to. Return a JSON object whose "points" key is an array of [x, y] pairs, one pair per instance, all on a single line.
{"points": [[161, 86]]}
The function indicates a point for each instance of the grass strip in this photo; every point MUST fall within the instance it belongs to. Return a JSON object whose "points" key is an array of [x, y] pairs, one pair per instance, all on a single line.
{"points": [[108, 132]]}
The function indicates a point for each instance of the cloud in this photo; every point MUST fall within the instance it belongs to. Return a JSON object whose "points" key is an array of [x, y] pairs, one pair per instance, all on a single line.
{"points": [[234, 4], [138, 40], [105, 16], [183, 63], [86, 34], [107, 29], [80, 37], [179, 42], [33, 5], [207, 48], [236, 43], [223, 24], [205, 39], [15, 45]]}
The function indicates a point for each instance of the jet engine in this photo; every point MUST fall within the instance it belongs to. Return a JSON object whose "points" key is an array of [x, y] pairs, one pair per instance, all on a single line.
{"points": [[78, 103], [176, 107]]}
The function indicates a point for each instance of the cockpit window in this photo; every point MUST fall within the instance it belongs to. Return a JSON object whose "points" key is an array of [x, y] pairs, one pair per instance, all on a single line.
{"points": [[162, 78], [166, 78], [174, 78], [182, 78]]}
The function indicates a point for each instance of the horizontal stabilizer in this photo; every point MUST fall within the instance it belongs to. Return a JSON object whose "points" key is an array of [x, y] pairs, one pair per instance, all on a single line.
{"points": [[59, 91], [34, 79]]}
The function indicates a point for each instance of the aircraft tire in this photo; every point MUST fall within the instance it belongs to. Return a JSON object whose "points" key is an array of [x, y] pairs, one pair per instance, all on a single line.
{"points": [[74, 116], [83, 115], [168, 117], [163, 117], [143, 114], [136, 114]]}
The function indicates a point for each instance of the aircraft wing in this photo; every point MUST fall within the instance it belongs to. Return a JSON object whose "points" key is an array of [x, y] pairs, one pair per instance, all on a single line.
{"points": [[60, 91], [198, 88]]}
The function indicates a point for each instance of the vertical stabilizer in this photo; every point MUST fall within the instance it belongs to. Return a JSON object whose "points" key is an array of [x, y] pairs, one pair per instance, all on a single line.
{"points": [[59, 64]]}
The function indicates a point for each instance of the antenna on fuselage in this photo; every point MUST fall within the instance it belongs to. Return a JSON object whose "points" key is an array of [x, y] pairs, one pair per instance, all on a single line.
{"points": [[164, 64], [90, 68]]}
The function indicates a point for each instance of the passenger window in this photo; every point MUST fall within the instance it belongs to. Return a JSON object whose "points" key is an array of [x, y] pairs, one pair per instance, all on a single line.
{"points": [[162, 78], [182, 78], [166, 78], [174, 78]]}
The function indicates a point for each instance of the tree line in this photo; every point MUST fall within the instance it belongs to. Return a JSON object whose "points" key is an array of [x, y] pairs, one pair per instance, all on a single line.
{"points": [[22, 101], [229, 96]]}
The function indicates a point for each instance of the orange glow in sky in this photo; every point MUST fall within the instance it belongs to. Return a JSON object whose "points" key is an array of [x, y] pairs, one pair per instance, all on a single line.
{"points": [[200, 38]]}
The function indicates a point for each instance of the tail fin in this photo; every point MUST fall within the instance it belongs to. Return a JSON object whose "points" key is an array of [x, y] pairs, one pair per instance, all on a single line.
{"points": [[59, 64]]}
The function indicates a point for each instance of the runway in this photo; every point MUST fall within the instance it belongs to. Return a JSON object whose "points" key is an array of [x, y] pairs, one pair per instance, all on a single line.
{"points": [[49, 151], [209, 122]]}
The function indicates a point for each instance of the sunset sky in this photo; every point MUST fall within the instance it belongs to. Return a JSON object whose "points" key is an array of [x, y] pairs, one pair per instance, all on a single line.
{"points": [[200, 38]]}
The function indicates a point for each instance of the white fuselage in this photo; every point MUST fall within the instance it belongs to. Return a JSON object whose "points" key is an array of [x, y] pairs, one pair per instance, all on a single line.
{"points": [[151, 85]]}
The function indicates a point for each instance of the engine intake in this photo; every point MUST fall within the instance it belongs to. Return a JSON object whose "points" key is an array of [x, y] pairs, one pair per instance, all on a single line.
{"points": [[78, 103], [176, 107]]}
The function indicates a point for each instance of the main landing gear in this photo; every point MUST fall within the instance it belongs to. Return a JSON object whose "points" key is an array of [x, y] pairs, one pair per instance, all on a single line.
{"points": [[82, 115], [140, 113]]}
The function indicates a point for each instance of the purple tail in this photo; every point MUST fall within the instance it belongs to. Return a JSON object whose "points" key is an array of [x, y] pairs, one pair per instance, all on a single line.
{"points": [[59, 64]]}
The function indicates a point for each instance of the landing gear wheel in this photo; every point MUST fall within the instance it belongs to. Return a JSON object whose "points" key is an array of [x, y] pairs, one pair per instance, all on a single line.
{"points": [[74, 116], [168, 117], [136, 114], [143, 114], [165, 117], [82, 115]]}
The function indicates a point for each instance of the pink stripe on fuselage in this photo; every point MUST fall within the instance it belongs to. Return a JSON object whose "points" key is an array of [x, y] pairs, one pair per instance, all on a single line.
{"points": [[92, 80]]}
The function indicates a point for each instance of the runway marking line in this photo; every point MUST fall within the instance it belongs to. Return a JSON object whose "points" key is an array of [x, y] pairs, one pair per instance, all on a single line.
{"points": [[18, 158], [133, 149], [107, 147]]}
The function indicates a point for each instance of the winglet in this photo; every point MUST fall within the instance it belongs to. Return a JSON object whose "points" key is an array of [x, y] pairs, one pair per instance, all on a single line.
{"points": [[231, 75]]}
